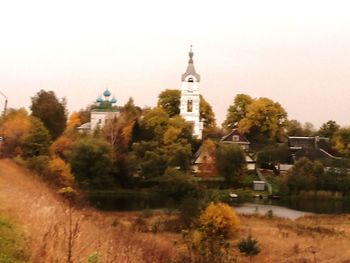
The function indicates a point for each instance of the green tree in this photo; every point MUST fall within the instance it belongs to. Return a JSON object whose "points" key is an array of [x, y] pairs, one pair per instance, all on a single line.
{"points": [[51, 111], [328, 129], [37, 141], [249, 246], [90, 162], [303, 175], [237, 111], [230, 163], [169, 100], [294, 128], [177, 184], [206, 114]]}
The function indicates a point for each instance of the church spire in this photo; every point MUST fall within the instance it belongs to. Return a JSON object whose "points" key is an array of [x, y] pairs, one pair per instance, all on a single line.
{"points": [[190, 68], [190, 54]]}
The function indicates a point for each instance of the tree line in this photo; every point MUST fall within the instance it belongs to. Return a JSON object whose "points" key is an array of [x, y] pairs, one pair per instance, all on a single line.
{"points": [[144, 143]]}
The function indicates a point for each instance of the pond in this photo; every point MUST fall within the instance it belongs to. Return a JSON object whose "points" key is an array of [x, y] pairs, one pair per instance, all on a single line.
{"points": [[140, 201]]}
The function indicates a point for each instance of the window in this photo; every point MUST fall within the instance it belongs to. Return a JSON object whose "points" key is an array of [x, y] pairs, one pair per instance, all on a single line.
{"points": [[235, 138], [189, 106], [190, 80]]}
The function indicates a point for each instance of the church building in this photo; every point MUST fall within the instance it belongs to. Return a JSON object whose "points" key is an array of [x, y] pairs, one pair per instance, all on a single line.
{"points": [[103, 111], [190, 97]]}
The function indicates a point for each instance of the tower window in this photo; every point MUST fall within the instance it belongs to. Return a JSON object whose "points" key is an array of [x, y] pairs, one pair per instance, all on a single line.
{"points": [[190, 80], [189, 106]]}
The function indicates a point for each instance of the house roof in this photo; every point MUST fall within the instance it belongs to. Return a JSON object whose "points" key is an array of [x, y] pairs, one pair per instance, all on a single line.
{"points": [[295, 142], [229, 138], [85, 126]]}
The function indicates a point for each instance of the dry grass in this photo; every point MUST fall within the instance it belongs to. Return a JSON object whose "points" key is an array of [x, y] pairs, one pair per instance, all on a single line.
{"points": [[44, 218], [324, 238], [130, 237]]}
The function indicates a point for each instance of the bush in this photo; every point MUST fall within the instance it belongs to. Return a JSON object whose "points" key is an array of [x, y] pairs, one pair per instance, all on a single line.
{"points": [[38, 164], [208, 241], [177, 185], [249, 246], [219, 219], [59, 173]]}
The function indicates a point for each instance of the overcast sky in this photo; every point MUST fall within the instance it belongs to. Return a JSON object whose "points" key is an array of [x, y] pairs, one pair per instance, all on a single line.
{"points": [[294, 52]]}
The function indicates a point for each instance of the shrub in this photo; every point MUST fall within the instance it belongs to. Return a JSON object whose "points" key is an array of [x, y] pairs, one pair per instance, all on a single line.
{"points": [[59, 173], [38, 164], [220, 219], [177, 185], [249, 246]]}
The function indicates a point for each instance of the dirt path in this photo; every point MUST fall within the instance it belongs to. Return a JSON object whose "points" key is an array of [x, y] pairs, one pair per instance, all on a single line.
{"points": [[44, 216]]}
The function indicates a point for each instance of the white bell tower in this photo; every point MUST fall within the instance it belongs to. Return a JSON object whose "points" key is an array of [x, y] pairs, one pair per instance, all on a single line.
{"points": [[190, 97]]}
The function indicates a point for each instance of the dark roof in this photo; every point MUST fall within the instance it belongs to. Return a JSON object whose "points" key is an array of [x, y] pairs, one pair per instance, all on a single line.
{"points": [[229, 138], [309, 142]]}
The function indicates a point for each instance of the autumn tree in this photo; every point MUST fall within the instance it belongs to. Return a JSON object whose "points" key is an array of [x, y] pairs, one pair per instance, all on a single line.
{"points": [[341, 142], [51, 111], [60, 147], [163, 142], [261, 120], [230, 163], [208, 240], [237, 111], [15, 126], [59, 173], [264, 120]]}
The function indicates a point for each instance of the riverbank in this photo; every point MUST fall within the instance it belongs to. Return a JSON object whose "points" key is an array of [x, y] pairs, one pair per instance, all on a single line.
{"points": [[153, 236]]}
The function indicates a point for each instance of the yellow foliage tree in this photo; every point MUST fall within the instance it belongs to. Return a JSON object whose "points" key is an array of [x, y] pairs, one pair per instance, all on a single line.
{"points": [[219, 219], [60, 172], [59, 146], [16, 126], [74, 120]]}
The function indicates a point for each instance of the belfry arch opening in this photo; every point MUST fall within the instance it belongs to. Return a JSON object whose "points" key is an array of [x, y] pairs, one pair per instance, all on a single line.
{"points": [[189, 106]]}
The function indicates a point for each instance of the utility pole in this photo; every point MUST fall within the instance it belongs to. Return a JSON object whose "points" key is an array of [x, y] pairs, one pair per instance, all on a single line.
{"points": [[5, 106]]}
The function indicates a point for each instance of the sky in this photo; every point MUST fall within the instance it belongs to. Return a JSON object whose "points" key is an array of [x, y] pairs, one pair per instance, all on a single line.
{"points": [[294, 52]]}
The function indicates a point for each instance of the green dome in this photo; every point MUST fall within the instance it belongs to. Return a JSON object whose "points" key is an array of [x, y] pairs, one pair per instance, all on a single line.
{"points": [[107, 93]]}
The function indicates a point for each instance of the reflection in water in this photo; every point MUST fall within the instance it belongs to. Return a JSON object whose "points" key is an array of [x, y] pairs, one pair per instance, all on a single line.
{"points": [[140, 202]]}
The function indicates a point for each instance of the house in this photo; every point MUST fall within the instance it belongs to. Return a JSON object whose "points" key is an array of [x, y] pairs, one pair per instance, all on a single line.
{"points": [[311, 147], [204, 161], [236, 137], [103, 111]]}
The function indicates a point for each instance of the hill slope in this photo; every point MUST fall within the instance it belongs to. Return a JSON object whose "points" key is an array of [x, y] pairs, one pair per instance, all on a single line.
{"points": [[44, 216]]}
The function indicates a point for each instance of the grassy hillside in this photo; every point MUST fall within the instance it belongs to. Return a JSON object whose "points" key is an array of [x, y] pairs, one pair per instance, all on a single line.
{"points": [[11, 242]]}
